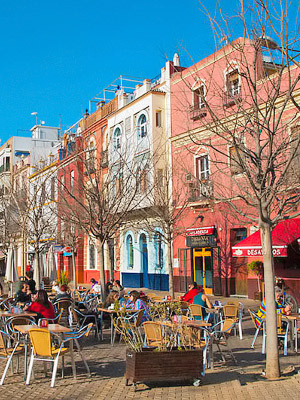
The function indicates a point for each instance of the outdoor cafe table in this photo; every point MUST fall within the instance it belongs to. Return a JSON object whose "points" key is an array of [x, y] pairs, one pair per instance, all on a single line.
{"points": [[7, 314], [112, 313], [294, 319], [53, 328]]}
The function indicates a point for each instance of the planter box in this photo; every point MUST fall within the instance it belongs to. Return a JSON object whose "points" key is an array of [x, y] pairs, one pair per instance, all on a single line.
{"points": [[152, 366]]}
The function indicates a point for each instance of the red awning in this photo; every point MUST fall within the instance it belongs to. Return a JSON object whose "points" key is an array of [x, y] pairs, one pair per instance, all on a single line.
{"points": [[285, 233], [205, 230]]}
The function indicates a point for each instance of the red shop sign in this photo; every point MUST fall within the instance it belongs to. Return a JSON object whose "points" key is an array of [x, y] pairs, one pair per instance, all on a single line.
{"points": [[278, 251], [208, 230]]}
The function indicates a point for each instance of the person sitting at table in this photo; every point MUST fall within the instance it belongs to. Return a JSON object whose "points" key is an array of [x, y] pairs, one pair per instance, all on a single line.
{"points": [[42, 306], [108, 288], [96, 288], [30, 281], [118, 287], [135, 303], [55, 287], [202, 300], [24, 294], [192, 292], [63, 295], [112, 298], [281, 309]]}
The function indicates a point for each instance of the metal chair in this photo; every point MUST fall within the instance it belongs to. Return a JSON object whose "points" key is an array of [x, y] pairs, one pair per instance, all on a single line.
{"points": [[7, 351], [220, 337], [55, 320], [78, 320], [64, 305], [258, 326], [282, 332], [231, 311], [153, 334]]}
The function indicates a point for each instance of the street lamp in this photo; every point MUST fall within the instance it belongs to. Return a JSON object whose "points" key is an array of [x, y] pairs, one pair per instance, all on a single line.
{"points": [[36, 116]]}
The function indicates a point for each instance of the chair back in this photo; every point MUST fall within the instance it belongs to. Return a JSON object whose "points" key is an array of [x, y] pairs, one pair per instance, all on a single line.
{"points": [[254, 318], [230, 311], [196, 311], [228, 325], [18, 320], [64, 305], [139, 318], [153, 332], [41, 342]]}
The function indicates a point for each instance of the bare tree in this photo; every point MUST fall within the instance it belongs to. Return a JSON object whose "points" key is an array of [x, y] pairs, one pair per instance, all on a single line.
{"points": [[250, 125]]}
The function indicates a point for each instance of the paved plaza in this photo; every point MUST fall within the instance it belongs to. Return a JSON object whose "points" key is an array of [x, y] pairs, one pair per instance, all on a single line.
{"points": [[230, 381]]}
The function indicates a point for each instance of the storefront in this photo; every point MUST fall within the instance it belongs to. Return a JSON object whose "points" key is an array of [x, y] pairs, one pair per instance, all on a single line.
{"points": [[286, 252], [199, 259]]}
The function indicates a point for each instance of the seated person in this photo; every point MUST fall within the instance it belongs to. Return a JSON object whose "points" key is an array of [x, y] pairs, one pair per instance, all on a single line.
{"points": [[30, 281], [111, 298], [108, 288], [56, 288], [118, 287], [193, 291], [42, 306], [202, 300], [135, 303], [24, 294], [281, 309], [96, 288], [63, 295]]}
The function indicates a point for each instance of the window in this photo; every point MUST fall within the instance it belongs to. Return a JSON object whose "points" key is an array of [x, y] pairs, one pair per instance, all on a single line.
{"points": [[202, 167], [235, 165], [72, 179], [233, 83], [199, 97], [159, 260], [142, 126], [237, 235], [92, 255], [129, 248], [158, 119], [117, 139]]}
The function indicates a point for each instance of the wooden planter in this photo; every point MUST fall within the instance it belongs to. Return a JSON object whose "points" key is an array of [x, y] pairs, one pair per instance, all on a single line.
{"points": [[152, 366]]}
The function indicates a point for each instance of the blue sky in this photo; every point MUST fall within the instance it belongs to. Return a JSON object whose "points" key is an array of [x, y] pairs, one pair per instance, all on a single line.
{"points": [[57, 55]]}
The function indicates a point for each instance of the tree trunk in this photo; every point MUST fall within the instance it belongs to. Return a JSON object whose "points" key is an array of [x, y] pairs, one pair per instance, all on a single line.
{"points": [[272, 356], [171, 275], [100, 249], [111, 270], [74, 269], [38, 272]]}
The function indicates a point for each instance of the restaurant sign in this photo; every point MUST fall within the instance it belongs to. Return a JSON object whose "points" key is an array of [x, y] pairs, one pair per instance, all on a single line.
{"points": [[209, 230], [201, 241], [256, 251]]}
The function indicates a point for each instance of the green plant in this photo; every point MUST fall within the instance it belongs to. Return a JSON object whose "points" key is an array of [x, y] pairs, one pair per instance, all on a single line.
{"points": [[256, 267], [63, 278]]}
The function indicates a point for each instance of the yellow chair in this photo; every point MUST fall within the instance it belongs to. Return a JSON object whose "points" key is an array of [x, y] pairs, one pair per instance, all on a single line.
{"points": [[195, 311], [7, 352], [231, 311], [42, 350], [153, 333]]}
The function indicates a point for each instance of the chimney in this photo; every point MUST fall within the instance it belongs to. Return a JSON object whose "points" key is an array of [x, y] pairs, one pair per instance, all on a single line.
{"points": [[176, 60]]}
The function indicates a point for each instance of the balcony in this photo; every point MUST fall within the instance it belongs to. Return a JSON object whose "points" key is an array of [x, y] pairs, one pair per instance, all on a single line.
{"points": [[198, 111], [200, 191], [230, 98]]}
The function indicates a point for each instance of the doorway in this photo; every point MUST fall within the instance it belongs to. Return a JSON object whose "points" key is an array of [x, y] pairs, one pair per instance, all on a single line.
{"points": [[144, 260], [203, 268]]}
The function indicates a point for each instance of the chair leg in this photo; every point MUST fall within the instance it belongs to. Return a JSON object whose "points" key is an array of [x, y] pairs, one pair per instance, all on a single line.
{"points": [[72, 359], [285, 344], [63, 366], [254, 339], [30, 369], [6, 368], [54, 371], [45, 368], [82, 357], [240, 329], [263, 350]]}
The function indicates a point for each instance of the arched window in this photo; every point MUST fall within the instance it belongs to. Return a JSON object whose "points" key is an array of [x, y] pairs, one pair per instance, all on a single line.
{"points": [[159, 262], [129, 248], [117, 139], [142, 126]]}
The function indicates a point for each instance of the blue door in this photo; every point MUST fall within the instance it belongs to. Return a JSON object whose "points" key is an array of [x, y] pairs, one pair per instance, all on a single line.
{"points": [[144, 260]]}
